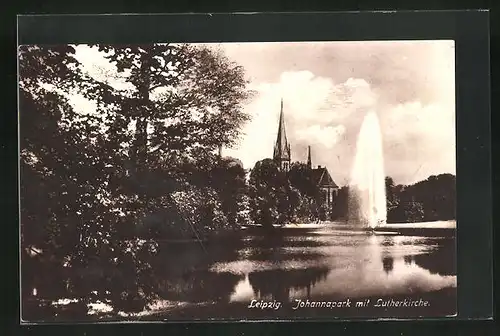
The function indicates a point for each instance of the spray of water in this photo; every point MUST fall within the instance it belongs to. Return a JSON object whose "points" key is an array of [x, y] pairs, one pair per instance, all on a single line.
{"points": [[367, 199]]}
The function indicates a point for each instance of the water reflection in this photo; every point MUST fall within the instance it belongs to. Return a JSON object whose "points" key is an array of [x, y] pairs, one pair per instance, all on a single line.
{"points": [[388, 263], [327, 266], [199, 286], [408, 260], [225, 275], [280, 284], [356, 266]]}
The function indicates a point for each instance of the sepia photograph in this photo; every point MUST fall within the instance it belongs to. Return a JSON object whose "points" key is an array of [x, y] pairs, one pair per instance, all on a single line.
{"points": [[237, 181]]}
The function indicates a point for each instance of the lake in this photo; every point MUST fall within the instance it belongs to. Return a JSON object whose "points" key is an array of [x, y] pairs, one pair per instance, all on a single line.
{"points": [[335, 272]]}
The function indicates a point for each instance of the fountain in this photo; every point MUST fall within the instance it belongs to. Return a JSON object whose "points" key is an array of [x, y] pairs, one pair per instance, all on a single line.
{"points": [[367, 199]]}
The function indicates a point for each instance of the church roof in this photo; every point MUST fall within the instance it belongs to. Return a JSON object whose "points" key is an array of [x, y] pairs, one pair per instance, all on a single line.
{"points": [[282, 147], [323, 177]]}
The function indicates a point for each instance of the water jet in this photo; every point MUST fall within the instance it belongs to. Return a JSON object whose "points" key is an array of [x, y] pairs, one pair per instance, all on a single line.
{"points": [[367, 195]]}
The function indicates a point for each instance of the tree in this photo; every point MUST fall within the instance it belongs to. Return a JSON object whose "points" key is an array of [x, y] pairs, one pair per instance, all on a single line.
{"points": [[272, 198], [185, 102], [393, 199], [340, 207], [413, 211], [437, 195], [228, 178], [428, 200], [189, 97], [65, 218], [301, 178], [262, 192], [87, 181]]}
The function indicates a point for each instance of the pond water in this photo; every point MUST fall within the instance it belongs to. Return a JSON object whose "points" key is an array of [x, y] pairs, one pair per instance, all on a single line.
{"points": [[373, 274]]}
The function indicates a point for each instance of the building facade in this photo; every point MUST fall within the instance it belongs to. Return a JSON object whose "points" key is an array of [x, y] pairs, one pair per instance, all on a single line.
{"points": [[324, 180]]}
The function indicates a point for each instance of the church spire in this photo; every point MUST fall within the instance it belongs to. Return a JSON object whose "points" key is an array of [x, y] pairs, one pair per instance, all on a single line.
{"points": [[309, 162], [282, 147]]}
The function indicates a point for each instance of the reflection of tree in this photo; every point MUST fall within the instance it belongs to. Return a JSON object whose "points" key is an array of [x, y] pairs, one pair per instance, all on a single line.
{"points": [[278, 255], [282, 240], [183, 269], [441, 261], [408, 259], [278, 283], [199, 286], [178, 269], [281, 248], [176, 258]]}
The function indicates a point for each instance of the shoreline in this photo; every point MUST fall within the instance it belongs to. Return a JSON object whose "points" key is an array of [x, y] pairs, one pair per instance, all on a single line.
{"points": [[436, 304], [440, 303]]}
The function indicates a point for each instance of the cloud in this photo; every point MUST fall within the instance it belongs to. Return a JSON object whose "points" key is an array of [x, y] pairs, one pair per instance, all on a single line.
{"points": [[418, 139], [316, 113], [398, 71], [327, 90], [325, 136]]}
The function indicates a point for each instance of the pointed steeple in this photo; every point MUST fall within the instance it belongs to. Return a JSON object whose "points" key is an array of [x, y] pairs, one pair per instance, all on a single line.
{"points": [[282, 147], [309, 162]]}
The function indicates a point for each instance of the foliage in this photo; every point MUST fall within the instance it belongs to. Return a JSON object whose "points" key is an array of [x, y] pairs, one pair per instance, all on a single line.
{"points": [[101, 186], [437, 194], [300, 177], [65, 213], [340, 207], [272, 200], [228, 178], [94, 181], [278, 198], [264, 184], [428, 200], [312, 204], [393, 199], [413, 211]]}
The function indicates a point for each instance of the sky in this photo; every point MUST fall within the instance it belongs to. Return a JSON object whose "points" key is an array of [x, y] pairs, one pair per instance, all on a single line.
{"points": [[328, 88]]}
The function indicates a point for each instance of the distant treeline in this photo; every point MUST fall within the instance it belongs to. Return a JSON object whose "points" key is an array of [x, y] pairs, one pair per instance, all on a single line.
{"points": [[432, 199]]}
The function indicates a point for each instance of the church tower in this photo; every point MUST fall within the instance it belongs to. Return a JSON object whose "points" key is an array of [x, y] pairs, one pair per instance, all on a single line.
{"points": [[282, 148]]}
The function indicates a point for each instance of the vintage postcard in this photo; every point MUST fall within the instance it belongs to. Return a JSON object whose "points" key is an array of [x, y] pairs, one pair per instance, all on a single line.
{"points": [[294, 180]]}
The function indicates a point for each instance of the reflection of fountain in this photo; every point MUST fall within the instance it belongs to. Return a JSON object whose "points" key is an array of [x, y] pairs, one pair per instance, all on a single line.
{"points": [[356, 266], [388, 263], [381, 265], [367, 199]]}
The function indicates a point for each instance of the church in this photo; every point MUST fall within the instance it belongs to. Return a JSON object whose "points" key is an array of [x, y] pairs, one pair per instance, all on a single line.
{"points": [[282, 157]]}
